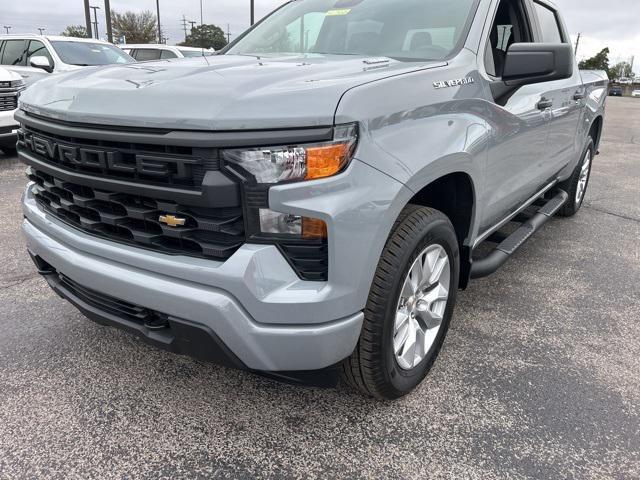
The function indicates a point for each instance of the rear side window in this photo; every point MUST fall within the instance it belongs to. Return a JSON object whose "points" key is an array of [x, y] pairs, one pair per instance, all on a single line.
{"points": [[14, 53], [549, 26], [165, 54], [147, 54], [37, 49]]}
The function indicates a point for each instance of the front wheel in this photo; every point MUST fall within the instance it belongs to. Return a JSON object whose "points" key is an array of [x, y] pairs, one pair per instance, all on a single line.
{"points": [[409, 307]]}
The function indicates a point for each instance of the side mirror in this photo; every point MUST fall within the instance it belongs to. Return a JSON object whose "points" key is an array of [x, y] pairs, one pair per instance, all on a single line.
{"points": [[530, 63], [41, 62]]}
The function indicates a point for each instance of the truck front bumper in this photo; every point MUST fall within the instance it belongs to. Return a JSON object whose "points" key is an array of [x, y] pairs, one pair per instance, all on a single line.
{"points": [[204, 321], [8, 129]]}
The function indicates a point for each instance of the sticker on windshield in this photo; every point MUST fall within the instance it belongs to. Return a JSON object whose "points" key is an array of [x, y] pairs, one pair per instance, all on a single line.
{"points": [[338, 12]]}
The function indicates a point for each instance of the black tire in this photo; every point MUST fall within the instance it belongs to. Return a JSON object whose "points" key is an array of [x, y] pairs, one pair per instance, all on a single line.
{"points": [[373, 368], [571, 185], [9, 151]]}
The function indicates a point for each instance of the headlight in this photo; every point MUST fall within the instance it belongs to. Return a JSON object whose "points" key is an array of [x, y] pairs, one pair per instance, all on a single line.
{"points": [[270, 165]]}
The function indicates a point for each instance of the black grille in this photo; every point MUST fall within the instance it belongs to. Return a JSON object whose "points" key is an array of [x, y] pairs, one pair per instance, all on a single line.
{"points": [[108, 304], [309, 260], [214, 233], [8, 102], [180, 167], [5, 84]]}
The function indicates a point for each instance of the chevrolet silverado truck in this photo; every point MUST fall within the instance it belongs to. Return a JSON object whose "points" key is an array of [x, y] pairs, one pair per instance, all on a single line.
{"points": [[313, 197], [11, 85]]}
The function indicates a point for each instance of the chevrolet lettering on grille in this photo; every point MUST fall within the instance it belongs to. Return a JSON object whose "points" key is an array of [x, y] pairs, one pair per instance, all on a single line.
{"points": [[109, 161]]}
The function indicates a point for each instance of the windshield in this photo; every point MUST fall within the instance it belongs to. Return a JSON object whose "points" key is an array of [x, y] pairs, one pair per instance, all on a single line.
{"points": [[90, 54], [196, 53], [405, 30]]}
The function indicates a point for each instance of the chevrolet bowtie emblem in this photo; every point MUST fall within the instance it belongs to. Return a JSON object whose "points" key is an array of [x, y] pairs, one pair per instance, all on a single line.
{"points": [[172, 221]]}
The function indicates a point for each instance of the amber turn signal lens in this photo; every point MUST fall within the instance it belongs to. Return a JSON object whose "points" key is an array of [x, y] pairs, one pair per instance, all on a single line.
{"points": [[313, 228], [326, 161]]}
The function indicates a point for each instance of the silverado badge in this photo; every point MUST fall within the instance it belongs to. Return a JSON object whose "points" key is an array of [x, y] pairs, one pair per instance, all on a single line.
{"points": [[172, 221], [458, 82]]}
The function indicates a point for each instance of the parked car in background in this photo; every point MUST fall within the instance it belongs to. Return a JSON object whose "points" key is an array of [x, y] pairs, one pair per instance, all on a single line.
{"points": [[635, 94], [625, 81], [146, 53], [37, 56], [615, 91], [11, 84]]}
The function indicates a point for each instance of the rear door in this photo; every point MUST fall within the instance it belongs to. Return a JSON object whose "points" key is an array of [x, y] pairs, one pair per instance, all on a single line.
{"points": [[567, 96]]}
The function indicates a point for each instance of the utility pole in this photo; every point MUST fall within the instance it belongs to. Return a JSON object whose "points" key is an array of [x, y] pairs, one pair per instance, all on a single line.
{"points": [[253, 12], [41, 30], [577, 44], [7, 28], [107, 16], [184, 25], [201, 16], [193, 24], [87, 18], [228, 34], [95, 21], [159, 29]]}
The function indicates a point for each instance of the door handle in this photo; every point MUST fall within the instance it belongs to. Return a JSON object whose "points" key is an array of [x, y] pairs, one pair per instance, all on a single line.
{"points": [[579, 96], [544, 104]]}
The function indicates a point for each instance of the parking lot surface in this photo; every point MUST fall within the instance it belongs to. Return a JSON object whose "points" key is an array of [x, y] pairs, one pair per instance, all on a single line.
{"points": [[539, 376]]}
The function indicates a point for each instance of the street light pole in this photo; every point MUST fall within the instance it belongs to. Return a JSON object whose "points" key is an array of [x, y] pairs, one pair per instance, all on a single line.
{"points": [[159, 29], [95, 20], [107, 16], [41, 30], [7, 28], [87, 19]]}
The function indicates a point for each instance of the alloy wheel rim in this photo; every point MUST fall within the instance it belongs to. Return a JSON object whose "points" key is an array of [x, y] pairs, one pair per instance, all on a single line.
{"points": [[421, 306], [584, 177]]}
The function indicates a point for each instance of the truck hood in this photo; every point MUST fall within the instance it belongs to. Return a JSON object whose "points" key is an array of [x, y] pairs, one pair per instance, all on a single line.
{"points": [[211, 93]]}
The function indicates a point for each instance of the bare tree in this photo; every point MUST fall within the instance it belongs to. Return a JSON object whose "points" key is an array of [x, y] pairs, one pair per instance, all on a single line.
{"points": [[135, 27]]}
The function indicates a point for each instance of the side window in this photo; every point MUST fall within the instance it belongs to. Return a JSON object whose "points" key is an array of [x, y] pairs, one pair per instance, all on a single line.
{"points": [[147, 54], [165, 54], [549, 26], [37, 49], [14, 53], [510, 26]]}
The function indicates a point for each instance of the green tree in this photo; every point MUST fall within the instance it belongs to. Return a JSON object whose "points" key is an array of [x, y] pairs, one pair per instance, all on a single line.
{"points": [[75, 31], [620, 70], [135, 27], [206, 36], [599, 62]]}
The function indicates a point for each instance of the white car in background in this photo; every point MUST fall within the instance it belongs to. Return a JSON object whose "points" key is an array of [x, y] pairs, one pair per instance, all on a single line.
{"points": [[11, 84], [36, 56], [147, 53], [635, 93]]}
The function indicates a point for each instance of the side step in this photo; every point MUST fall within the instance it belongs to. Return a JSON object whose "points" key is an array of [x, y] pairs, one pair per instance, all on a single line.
{"points": [[497, 258]]}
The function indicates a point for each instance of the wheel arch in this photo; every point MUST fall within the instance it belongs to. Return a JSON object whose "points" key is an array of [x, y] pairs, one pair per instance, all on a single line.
{"points": [[595, 131], [453, 194]]}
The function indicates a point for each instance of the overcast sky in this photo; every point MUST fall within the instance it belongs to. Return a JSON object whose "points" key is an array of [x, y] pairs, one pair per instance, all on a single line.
{"points": [[612, 23]]}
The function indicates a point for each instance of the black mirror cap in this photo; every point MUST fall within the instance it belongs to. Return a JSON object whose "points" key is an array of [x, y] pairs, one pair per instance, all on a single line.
{"points": [[530, 63]]}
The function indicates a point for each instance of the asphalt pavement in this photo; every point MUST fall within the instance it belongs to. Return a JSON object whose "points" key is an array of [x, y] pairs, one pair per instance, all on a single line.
{"points": [[539, 376]]}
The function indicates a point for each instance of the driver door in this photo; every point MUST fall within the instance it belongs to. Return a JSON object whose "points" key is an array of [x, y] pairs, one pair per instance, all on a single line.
{"points": [[519, 124]]}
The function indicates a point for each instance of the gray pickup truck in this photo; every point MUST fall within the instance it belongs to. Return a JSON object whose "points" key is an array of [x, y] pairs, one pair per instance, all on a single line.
{"points": [[313, 197]]}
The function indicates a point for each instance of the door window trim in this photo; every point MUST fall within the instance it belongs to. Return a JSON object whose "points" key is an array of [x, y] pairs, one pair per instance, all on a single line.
{"points": [[530, 20], [49, 56], [561, 27]]}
